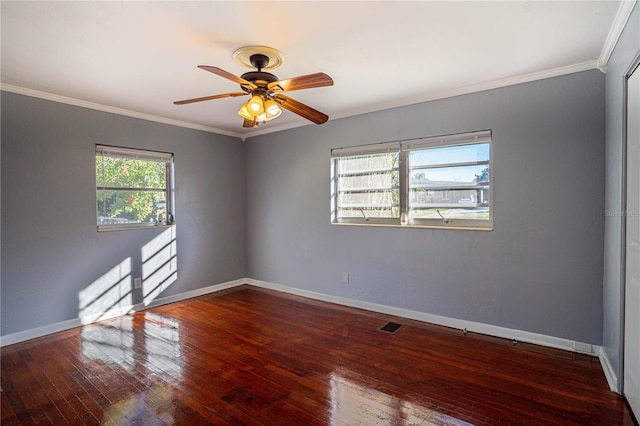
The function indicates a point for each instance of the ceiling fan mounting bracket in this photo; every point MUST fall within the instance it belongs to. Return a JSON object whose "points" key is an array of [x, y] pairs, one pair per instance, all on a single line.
{"points": [[243, 56], [259, 61]]}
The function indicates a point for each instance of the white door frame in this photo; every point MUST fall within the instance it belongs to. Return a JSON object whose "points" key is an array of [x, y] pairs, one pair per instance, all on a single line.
{"points": [[634, 68]]}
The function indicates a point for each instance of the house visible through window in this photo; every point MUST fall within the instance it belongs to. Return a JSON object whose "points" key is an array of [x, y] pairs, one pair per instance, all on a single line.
{"points": [[133, 188], [441, 181]]}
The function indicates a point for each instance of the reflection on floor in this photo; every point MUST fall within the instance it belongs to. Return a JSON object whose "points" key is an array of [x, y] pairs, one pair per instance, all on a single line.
{"points": [[118, 342], [152, 408], [354, 403], [253, 356]]}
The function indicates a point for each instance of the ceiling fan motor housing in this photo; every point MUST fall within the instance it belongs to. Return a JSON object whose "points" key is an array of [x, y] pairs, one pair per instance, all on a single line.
{"points": [[257, 77], [260, 78]]}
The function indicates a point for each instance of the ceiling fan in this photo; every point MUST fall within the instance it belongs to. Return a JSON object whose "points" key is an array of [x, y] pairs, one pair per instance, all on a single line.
{"points": [[265, 89]]}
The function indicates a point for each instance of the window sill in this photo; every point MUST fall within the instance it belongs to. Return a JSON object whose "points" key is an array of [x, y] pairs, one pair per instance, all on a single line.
{"points": [[389, 225], [134, 227]]}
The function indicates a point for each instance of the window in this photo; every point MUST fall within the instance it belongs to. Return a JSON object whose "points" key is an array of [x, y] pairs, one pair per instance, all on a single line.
{"points": [[367, 184], [133, 188], [435, 182]]}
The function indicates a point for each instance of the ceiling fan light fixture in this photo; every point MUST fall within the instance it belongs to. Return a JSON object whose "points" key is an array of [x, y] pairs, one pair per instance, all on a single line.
{"points": [[244, 112], [256, 105], [251, 109], [272, 110]]}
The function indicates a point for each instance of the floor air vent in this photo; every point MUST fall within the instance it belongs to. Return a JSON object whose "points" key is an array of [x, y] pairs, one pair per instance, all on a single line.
{"points": [[391, 327]]}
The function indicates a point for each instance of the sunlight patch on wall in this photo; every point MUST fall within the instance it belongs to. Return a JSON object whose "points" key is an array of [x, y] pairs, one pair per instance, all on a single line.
{"points": [[108, 295], [159, 264]]}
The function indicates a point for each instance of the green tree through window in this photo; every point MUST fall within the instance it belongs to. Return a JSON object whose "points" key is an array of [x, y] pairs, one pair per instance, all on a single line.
{"points": [[132, 191]]}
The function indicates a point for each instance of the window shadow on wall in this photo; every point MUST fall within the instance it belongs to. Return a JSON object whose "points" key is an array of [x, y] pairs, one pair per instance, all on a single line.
{"points": [[159, 264], [113, 293], [108, 295]]}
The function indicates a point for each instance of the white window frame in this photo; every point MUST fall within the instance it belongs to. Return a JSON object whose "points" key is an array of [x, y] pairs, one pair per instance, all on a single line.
{"points": [[139, 154], [383, 148], [404, 148]]}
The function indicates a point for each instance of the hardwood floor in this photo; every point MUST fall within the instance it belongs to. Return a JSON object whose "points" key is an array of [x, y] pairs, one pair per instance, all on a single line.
{"points": [[253, 356]]}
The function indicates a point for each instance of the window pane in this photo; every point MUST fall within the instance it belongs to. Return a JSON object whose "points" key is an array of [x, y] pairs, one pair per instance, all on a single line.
{"points": [[449, 176], [422, 197], [368, 182], [387, 212], [126, 173], [452, 204], [440, 187], [450, 155], [481, 213], [129, 207], [368, 186], [368, 163]]}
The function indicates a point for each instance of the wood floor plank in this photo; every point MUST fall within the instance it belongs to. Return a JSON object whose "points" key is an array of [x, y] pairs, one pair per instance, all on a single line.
{"points": [[252, 356]]}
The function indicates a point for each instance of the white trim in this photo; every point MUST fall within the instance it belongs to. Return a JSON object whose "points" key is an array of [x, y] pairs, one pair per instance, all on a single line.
{"points": [[443, 94], [101, 316], [114, 110], [133, 153], [376, 148], [609, 372], [190, 294], [482, 136], [496, 84], [491, 330], [425, 97], [33, 333], [619, 22]]}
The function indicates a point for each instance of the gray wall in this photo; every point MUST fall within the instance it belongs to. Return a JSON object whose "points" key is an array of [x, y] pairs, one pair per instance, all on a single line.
{"points": [[540, 270], [625, 52], [50, 248]]}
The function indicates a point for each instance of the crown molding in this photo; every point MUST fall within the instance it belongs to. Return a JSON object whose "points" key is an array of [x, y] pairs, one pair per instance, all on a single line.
{"points": [[275, 129], [114, 110], [473, 88], [443, 94], [425, 97], [619, 22]]}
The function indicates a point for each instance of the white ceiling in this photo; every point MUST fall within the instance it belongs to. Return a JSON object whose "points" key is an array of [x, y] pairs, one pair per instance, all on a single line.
{"points": [[136, 58]]}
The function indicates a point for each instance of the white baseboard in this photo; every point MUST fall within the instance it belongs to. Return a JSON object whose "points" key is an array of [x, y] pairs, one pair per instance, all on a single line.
{"points": [[190, 294], [491, 330], [33, 333], [609, 373]]}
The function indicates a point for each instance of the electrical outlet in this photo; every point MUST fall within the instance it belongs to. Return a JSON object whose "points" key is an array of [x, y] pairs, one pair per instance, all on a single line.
{"points": [[137, 282], [345, 277]]}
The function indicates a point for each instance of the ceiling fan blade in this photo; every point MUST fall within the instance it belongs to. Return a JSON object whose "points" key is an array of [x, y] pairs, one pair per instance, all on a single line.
{"points": [[228, 76], [208, 98], [310, 81], [301, 109], [248, 123]]}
